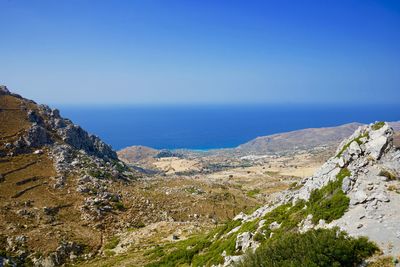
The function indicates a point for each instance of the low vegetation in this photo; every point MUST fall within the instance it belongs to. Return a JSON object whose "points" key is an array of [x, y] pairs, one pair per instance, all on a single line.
{"points": [[327, 203], [199, 250], [357, 139], [322, 247], [253, 192], [112, 243], [388, 174], [330, 202], [378, 125]]}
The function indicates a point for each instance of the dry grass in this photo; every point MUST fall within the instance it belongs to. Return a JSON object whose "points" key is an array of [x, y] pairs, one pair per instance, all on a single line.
{"points": [[43, 232], [13, 118], [383, 261]]}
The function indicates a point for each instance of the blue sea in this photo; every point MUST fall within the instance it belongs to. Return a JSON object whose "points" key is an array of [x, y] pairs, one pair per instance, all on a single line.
{"points": [[207, 127]]}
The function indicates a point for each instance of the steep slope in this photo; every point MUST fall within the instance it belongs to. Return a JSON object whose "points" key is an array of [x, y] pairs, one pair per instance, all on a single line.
{"points": [[58, 185], [357, 190]]}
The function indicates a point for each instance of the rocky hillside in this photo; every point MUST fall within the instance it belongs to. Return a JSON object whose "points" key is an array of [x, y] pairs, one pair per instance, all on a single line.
{"points": [[321, 219], [58, 185]]}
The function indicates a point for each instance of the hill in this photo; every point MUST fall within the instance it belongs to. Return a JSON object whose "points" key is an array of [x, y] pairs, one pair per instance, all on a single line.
{"points": [[58, 185], [137, 153], [305, 139]]}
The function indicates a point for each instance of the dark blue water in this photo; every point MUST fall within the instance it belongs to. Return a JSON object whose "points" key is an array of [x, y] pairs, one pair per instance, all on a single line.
{"points": [[205, 127]]}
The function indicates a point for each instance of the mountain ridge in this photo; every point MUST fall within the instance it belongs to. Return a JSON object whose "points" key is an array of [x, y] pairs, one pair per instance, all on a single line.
{"points": [[59, 185]]}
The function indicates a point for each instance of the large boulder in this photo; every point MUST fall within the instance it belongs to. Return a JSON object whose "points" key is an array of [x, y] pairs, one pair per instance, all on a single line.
{"points": [[379, 140], [243, 241], [78, 138]]}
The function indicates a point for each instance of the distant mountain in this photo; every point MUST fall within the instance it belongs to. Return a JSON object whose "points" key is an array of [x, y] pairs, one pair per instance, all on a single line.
{"points": [[280, 143], [302, 139], [395, 125]]}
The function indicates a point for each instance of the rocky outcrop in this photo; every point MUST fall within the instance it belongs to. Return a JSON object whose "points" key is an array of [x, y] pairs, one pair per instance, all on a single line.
{"points": [[37, 136], [368, 165], [67, 251], [48, 128], [78, 138], [4, 90], [75, 136], [365, 146]]}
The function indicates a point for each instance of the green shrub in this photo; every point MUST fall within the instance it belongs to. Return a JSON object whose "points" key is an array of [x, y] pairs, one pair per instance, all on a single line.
{"points": [[253, 192], [100, 174], [322, 247], [295, 186], [119, 167], [109, 253], [200, 250], [378, 125], [112, 243], [180, 253], [119, 206], [259, 237], [330, 202], [357, 139]]}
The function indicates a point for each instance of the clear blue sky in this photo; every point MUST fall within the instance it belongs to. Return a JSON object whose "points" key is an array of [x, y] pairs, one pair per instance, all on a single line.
{"points": [[205, 51]]}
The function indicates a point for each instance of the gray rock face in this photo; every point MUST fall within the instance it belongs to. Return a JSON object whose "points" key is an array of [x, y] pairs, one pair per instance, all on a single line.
{"points": [[48, 127], [354, 149], [71, 134], [306, 224], [359, 197], [37, 136], [379, 140], [274, 226], [79, 139], [34, 117], [375, 147], [346, 185], [243, 241], [65, 252]]}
